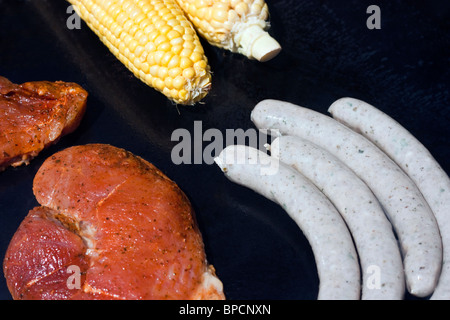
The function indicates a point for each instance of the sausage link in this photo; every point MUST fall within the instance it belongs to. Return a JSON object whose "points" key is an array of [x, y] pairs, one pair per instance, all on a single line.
{"points": [[331, 242], [414, 158], [379, 254], [409, 213]]}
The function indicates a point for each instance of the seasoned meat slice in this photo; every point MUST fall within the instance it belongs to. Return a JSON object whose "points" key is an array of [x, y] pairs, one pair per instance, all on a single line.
{"points": [[34, 115], [137, 228], [39, 256]]}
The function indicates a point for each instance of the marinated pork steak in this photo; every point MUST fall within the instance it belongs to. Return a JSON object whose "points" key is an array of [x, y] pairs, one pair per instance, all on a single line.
{"points": [[127, 228], [34, 115]]}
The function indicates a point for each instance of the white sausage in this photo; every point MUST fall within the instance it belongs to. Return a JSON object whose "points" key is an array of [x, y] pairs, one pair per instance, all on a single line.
{"points": [[414, 158], [409, 213], [331, 242], [379, 254]]}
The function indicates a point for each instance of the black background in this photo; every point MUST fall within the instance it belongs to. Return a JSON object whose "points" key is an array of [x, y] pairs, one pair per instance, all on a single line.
{"points": [[328, 52]]}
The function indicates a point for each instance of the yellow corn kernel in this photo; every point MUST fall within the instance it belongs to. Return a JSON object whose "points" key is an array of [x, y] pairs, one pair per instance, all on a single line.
{"points": [[185, 62], [155, 41], [174, 62], [189, 73], [237, 25], [179, 82], [174, 72]]}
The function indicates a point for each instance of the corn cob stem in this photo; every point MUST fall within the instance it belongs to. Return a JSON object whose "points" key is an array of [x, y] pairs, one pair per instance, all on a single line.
{"points": [[237, 25], [256, 43], [155, 41]]}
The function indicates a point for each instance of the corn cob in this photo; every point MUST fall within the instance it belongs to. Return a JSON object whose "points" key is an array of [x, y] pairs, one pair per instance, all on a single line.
{"points": [[155, 40], [236, 25]]}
